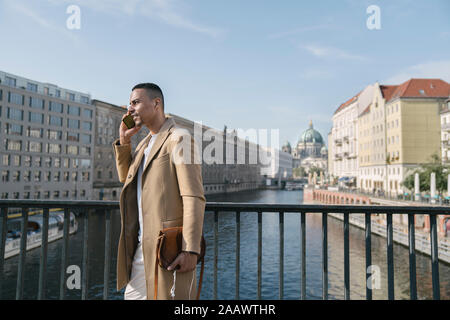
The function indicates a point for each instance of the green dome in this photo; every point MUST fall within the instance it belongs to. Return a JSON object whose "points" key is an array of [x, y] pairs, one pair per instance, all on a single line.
{"points": [[311, 136]]}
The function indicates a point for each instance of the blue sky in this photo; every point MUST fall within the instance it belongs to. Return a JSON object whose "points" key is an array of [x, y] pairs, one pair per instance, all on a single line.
{"points": [[244, 64]]}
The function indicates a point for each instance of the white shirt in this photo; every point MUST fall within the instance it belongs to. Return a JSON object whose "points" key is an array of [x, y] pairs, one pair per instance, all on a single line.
{"points": [[139, 182]]}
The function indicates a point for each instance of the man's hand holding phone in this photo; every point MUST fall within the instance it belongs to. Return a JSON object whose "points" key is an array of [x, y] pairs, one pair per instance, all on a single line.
{"points": [[125, 132]]}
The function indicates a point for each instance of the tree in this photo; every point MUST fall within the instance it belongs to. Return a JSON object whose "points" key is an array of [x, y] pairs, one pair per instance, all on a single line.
{"points": [[435, 165]]}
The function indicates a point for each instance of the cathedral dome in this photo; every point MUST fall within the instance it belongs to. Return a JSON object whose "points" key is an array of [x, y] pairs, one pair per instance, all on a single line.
{"points": [[311, 136]]}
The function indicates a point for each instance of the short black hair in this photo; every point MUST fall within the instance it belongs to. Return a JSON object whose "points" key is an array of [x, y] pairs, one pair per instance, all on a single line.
{"points": [[153, 90]]}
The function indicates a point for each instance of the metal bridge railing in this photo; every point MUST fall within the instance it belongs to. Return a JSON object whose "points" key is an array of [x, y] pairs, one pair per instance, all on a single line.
{"points": [[84, 207]]}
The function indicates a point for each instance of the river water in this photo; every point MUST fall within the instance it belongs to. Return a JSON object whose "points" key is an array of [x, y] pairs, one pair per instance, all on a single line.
{"points": [[248, 257]]}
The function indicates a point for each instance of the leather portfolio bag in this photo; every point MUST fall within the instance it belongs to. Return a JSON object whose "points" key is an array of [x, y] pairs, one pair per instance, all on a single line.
{"points": [[169, 247]]}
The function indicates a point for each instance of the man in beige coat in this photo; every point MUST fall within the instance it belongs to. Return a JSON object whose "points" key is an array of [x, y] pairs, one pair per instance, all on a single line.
{"points": [[159, 191]]}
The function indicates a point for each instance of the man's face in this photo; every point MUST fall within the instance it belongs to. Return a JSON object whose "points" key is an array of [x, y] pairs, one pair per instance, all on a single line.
{"points": [[143, 109]]}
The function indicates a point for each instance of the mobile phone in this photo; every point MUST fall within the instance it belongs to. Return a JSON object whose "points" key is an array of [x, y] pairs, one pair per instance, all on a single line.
{"points": [[129, 122]]}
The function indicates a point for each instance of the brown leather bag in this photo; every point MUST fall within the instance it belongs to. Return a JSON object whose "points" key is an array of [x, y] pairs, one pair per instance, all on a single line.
{"points": [[167, 249]]}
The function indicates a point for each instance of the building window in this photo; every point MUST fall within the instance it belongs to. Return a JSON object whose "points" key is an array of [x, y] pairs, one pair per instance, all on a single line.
{"points": [[85, 177], [54, 134], [86, 138], [34, 146], [72, 150], [86, 151], [55, 121], [37, 176], [71, 136], [87, 113], [16, 176], [48, 162], [56, 176], [84, 99], [54, 148], [37, 162], [66, 162], [15, 114], [99, 174], [74, 176], [35, 132], [87, 126], [10, 81], [73, 124], [48, 176], [66, 176], [73, 110], [57, 162], [36, 117], [37, 194], [66, 194], [13, 145], [27, 176], [56, 107], [58, 93], [5, 176], [26, 195], [4, 195], [13, 129], [36, 103], [32, 87], [27, 161], [70, 96], [47, 195], [16, 160], [16, 98], [6, 159]]}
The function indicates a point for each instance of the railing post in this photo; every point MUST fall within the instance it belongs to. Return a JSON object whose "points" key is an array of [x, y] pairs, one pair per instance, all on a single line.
{"points": [[303, 253], [412, 257], [281, 258], [85, 261], [43, 262], [23, 253], [107, 254], [216, 250], [434, 258], [324, 256], [346, 258], [238, 249], [390, 257], [65, 254], [259, 253], [3, 231], [368, 254]]}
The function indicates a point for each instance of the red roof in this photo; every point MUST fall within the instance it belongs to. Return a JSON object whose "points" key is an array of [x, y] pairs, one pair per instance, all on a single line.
{"points": [[387, 91], [421, 88], [347, 103]]}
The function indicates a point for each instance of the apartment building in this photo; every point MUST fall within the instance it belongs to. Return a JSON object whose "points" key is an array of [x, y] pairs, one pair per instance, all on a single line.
{"points": [[399, 131], [343, 145], [48, 145]]}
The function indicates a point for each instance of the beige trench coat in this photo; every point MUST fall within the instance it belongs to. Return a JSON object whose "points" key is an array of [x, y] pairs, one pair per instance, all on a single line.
{"points": [[172, 195]]}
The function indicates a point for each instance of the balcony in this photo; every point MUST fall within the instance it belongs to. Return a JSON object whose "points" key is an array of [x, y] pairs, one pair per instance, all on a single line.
{"points": [[445, 127], [220, 208]]}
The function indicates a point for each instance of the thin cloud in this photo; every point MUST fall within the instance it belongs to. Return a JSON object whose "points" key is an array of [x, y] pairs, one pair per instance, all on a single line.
{"points": [[166, 11], [327, 52], [37, 18], [295, 31], [430, 69]]}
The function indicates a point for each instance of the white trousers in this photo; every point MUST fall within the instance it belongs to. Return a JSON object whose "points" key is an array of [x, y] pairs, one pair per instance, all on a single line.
{"points": [[136, 289]]}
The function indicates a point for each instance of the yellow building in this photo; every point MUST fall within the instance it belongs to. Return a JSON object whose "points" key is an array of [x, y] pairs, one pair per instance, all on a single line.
{"points": [[412, 127]]}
